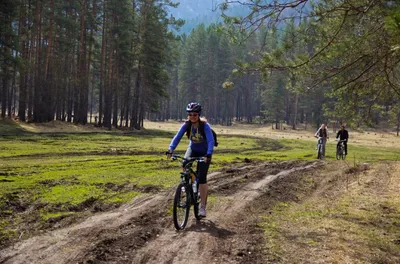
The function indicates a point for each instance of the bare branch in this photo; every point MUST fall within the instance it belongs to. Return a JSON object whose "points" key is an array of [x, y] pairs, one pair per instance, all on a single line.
{"points": [[391, 84]]}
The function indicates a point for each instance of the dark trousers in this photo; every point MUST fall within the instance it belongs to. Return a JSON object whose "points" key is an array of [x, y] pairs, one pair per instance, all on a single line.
{"points": [[202, 167]]}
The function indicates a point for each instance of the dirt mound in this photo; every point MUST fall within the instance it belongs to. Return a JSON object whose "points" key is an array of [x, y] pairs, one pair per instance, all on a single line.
{"points": [[58, 126]]}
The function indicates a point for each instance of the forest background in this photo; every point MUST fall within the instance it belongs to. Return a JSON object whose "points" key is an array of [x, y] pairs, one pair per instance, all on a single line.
{"points": [[116, 63]]}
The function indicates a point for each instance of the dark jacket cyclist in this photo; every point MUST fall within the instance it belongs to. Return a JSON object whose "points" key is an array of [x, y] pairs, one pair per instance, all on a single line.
{"points": [[200, 145], [343, 134]]}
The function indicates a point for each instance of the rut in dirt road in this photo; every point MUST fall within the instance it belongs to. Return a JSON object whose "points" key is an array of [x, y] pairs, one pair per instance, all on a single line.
{"points": [[199, 241], [142, 232]]}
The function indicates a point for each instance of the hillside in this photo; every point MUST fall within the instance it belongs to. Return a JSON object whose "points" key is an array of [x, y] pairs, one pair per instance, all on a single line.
{"points": [[196, 12]]}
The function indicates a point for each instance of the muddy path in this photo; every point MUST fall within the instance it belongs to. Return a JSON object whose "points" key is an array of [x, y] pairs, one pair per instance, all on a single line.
{"points": [[142, 231]]}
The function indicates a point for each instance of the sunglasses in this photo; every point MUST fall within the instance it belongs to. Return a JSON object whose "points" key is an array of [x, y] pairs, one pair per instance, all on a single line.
{"points": [[193, 114]]}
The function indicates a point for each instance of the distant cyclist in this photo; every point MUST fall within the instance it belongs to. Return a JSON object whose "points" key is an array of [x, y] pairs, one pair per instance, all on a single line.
{"points": [[343, 134], [201, 145], [322, 133]]}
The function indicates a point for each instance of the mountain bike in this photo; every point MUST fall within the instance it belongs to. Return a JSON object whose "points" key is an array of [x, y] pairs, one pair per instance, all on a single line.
{"points": [[187, 193], [320, 148], [340, 150]]}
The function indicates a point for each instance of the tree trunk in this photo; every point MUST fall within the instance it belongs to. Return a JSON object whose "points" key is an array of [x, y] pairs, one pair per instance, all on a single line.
{"points": [[72, 89], [116, 91], [22, 73], [102, 61], [82, 92], [296, 101], [48, 73], [90, 60], [92, 96], [108, 89], [31, 57], [4, 92], [11, 98], [127, 98], [50, 40], [135, 109], [38, 103]]}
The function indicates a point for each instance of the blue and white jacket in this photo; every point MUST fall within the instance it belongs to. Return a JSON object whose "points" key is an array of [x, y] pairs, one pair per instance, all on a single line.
{"points": [[197, 142]]}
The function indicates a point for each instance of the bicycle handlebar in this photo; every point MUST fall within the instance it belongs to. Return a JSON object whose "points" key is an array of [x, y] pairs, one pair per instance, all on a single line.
{"points": [[191, 159]]}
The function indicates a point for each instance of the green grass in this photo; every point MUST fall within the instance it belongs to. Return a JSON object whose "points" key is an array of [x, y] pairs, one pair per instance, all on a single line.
{"points": [[60, 172], [47, 216]]}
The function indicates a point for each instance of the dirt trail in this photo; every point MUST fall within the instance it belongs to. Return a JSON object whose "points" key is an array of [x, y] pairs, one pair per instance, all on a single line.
{"points": [[142, 231]]}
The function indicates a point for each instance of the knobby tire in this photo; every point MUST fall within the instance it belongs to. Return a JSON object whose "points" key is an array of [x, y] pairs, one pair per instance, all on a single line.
{"points": [[181, 207], [319, 151], [196, 204], [338, 154]]}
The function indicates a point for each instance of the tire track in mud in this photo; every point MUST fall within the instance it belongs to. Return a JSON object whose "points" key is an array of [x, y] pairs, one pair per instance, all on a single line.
{"points": [[199, 241], [142, 232], [70, 244]]}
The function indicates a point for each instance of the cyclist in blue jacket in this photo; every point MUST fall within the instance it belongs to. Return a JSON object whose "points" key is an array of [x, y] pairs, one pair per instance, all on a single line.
{"points": [[201, 145]]}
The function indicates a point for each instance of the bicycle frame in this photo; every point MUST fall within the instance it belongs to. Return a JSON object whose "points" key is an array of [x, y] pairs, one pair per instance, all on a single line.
{"points": [[188, 181], [186, 176], [188, 165]]}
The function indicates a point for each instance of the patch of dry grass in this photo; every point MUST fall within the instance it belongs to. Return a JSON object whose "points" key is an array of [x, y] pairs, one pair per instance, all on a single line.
{"points": [[369, 138], [58, 126], [348, 218]]}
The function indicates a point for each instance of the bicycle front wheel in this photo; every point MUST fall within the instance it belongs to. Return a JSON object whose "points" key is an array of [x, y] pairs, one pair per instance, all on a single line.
{"points": [[319, 152], [181, 207], [196, 203], [338, 154]]}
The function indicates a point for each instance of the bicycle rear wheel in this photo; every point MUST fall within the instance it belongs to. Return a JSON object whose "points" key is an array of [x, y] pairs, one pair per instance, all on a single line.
{"points": [[181, 207]]}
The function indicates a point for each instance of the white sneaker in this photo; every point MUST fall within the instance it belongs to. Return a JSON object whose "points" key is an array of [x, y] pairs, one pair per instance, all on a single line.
{"points": [[202, 212]]}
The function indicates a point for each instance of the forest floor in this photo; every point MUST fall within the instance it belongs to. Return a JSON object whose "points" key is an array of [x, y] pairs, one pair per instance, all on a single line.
{"points": [[261, 212]]}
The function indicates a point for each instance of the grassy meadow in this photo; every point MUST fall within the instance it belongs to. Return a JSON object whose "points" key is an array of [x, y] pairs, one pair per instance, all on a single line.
{"points": [[350, 217], [45, 177]]}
